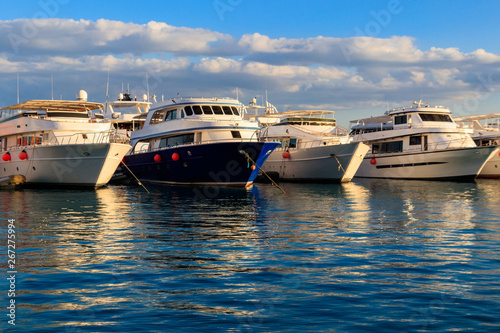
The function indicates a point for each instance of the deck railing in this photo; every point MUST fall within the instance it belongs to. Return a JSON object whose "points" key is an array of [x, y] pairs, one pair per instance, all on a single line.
{"points": [[111, 136]]}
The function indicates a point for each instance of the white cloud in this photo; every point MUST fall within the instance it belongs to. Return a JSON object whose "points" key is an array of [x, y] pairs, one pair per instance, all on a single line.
{"points": [[67, 36], [306, 71]]}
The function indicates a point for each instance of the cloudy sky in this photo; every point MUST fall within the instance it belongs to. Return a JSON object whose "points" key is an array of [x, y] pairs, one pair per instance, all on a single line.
{"points": [[356, 57]]}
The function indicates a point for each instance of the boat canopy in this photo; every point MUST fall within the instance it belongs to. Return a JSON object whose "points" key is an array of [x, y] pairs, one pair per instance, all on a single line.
{"points": [[477, 117], [54, 106], [298, 113], [373, 120]]}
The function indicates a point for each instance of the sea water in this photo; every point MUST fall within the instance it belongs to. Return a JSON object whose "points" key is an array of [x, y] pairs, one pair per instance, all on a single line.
{"points": [[371, 255]]}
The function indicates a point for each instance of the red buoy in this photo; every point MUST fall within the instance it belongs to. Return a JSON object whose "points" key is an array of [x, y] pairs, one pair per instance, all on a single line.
{"points": [[286, 154], [6, 157], [23, 155], [175, 156], [373, 161], [252, 167], [157, 158]]}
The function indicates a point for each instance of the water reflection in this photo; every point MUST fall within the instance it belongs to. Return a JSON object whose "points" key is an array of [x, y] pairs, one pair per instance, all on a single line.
{"points": [[247, 259]]}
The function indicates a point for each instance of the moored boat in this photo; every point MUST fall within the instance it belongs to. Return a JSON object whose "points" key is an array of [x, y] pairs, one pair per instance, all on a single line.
{"points": [[485, 134], [197, 141], [313, 148], [419, 142], [58, 143]]}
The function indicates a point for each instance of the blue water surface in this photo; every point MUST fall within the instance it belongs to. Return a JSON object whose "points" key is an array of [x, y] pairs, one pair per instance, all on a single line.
{"points": [[367, 256]]}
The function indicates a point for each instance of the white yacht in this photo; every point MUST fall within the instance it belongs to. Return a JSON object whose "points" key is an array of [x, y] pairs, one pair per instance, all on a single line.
{"points": [[124, 112], [125, 115], [313, 148], [419, 142], [201, 141], [486, 132], [55, 142]]}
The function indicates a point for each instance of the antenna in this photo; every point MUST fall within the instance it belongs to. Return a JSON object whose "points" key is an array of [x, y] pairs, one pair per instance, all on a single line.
{"points": [[147, 85], [17, 88], [107, 94], [236, 92]]}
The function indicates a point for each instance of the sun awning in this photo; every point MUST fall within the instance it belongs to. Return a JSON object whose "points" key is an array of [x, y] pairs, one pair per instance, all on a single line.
{"points": [[52, 106], [477, 117]]}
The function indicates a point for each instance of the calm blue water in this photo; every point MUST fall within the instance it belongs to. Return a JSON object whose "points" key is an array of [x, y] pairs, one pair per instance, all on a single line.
{"points": [[369, 256]]}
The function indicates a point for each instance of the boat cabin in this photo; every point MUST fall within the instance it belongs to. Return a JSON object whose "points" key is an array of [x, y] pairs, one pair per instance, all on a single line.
{"points": [[411, 129], [183, 121], [191, 111], [404, 118]]}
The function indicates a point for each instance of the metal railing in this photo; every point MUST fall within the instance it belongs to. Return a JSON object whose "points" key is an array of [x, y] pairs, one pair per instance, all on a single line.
{"points": [[76, 138], [441, 145]]}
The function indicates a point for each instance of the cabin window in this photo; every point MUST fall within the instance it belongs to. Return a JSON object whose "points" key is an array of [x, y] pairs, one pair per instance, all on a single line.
{"points": [[387, 147], [217, 109], [172, 114], [415, 140], [188, 110], [227, 110], [235, 111], [197, 109], [177, 140], [28, 140], [398, 120], [207, 109], [293, 143], [157, 117], [236, 134], [141, 147], [435, 117]]}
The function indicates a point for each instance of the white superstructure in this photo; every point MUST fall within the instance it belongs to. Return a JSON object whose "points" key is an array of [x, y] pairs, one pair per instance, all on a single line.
{"points": [[418, 142], [313, 147]]}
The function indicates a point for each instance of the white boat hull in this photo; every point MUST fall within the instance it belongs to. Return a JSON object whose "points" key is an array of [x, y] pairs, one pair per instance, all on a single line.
{"points": [[318, 164], [82, 165], [447, 164], [492, 168]]}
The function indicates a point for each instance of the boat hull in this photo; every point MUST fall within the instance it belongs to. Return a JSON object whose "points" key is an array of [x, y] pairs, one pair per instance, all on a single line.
{"points": [[491, 169], [74, 165], [448, 164], [317, 164], [222, 163]]}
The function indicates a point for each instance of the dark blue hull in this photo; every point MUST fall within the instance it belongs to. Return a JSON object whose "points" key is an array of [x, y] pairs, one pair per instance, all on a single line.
{"points": [[203, 164]]}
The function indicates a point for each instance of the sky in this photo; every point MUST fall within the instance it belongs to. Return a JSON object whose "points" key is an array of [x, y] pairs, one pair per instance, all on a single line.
{"points": [[356, 57]]}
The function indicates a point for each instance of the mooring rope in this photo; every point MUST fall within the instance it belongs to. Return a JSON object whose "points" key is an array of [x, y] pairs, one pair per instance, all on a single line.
{"points": [[272, 181], [340, 165], [135, 176]]}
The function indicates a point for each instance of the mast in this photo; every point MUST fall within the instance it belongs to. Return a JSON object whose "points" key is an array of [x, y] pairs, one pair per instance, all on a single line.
{"points": [[107, 95], [147, 85], [17, 88]]}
